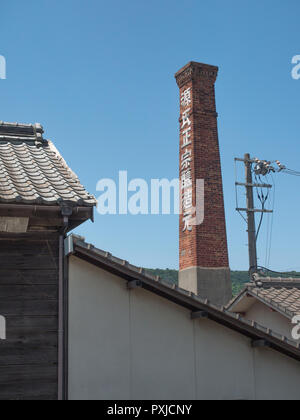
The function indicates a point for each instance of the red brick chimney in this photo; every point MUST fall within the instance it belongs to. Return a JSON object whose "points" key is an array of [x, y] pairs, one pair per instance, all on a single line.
{"points": [[204, 266]]}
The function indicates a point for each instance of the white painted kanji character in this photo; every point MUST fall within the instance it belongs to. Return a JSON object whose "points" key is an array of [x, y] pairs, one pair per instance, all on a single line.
{"points": [[186, 118], [187, 199], [186, 180], [186, 97], [187, 219], [186, 159], [186, 135]]}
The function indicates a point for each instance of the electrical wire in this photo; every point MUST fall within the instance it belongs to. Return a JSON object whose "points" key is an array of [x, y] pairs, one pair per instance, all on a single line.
{"points": [[236, 195], [268, 239], [263, 199], [264, 168], [267, 270], [272, 222], [290, 172]]}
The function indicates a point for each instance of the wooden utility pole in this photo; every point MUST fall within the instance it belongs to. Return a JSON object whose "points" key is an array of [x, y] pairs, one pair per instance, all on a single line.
{"points": [[250, 215], [250, 208]]}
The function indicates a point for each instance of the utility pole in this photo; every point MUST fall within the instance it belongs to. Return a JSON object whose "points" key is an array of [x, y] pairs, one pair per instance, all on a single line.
{"points": [[250, 215], [250, 208]]}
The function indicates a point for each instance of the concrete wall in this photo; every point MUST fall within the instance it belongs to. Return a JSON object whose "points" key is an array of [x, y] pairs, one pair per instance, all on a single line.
{"points": [[136, 345]]}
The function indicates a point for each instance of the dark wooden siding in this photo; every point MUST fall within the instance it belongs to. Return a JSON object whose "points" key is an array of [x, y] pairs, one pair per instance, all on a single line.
{"points": [[29, 301]]}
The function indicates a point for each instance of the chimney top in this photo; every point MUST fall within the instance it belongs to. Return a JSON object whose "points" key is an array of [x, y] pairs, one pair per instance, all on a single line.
{"points": [[194, 70]]}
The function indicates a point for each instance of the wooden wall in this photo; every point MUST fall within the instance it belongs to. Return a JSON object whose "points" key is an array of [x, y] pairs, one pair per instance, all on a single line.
{"points": [[29, 301]]}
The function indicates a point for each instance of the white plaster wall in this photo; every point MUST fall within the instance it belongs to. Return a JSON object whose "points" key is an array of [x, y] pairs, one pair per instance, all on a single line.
{"points": [[135, 345], [264, 315], [276, 377], [224, 363], [162, 349], [99, 348]]}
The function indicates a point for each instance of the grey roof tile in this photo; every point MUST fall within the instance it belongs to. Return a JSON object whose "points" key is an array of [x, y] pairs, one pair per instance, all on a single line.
{"points": [[33, 171], [285, 298], [282, 294]]}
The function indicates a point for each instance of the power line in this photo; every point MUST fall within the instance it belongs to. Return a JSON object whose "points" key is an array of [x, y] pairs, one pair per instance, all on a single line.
{"points": [[291, 172], [236, 194], [267, 270], [272, 223], [264, 167], [267, 241], [258, 169], [263, 199]]}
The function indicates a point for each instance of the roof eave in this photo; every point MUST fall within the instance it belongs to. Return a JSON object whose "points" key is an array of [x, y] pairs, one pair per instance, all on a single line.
{"points": [[40, 215]]}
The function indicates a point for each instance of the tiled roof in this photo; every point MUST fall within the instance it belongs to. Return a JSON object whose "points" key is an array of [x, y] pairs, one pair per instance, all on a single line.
{"points": [[279, 293], [32, 171], [283, 294]]}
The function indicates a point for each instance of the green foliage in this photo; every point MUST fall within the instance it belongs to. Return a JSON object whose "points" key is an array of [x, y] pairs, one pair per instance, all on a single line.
{"points": [[239, 279], [168, 275]]}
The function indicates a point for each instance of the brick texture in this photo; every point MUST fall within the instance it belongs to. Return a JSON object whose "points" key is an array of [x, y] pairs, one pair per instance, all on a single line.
{"points": [[206, 245]]}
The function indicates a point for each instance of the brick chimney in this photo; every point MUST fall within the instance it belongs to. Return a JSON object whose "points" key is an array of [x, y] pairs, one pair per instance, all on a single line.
{"points": [[204, 266]]}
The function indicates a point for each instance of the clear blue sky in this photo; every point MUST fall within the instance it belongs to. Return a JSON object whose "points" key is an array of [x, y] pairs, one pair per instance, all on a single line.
{"points": [[99, 75]]}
